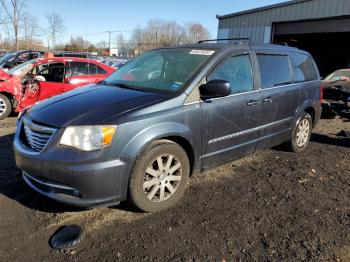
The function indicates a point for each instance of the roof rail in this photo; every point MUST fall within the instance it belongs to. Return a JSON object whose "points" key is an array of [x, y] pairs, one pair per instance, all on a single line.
{"points": [[240, 40]]}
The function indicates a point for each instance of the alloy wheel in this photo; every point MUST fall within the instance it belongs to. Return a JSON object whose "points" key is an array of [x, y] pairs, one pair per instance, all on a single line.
{"points": [[3, 106], [303, 132], [162, 178]]}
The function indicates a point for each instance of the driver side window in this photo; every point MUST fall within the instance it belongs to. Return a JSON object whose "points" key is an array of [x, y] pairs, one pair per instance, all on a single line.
{"points": [[52, 72], [236, 70]]}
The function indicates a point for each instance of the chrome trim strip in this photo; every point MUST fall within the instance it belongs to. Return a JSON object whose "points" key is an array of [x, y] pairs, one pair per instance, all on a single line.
{"points": [[219, 139], [244, 144], [52, 185]]}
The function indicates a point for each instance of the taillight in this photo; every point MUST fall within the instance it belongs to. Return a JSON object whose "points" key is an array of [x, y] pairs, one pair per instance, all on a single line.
{"points": [[321, 93]]}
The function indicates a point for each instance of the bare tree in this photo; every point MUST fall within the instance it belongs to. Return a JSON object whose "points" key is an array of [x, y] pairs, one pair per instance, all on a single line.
{"points": [[13, 10], [159, 33], [55, 27], [3, 22], [196, 32], [124, 47], [31, 30], [77, 44]]}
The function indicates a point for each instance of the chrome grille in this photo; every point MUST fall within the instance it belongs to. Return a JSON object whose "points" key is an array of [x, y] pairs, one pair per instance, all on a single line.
{"points": [[37, 135]]}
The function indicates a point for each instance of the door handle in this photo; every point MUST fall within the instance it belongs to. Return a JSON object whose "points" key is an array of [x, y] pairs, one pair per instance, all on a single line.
{"points": [[267, 100], [252, 102]]}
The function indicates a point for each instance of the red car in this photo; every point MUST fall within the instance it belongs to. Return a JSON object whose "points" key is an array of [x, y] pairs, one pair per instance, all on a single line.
{"points": [[41, 78]]}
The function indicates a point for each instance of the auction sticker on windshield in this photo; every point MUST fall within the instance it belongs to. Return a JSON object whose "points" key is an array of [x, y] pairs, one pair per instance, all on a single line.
{"points": [[202, 52]]}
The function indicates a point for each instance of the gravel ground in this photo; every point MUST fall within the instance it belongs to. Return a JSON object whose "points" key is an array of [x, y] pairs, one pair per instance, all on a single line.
{"points": [[271, 206]]}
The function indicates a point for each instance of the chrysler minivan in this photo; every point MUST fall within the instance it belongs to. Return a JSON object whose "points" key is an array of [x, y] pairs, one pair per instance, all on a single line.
{"points": [[165, 115]]}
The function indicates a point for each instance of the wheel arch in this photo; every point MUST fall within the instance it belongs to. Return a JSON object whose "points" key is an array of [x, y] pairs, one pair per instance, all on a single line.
{"points": [[186, 145], [311, 111], [174, 132], [309, 107], [11, 97]]}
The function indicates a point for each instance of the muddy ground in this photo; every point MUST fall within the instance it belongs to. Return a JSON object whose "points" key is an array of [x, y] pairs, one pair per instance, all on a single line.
{"points": [[272, 206]]}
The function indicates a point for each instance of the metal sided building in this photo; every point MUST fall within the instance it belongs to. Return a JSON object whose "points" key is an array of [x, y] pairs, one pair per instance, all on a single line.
{"points": [[321, 27]]}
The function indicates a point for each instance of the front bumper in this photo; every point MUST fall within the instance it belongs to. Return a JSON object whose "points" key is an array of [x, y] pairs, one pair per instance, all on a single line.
{"points": [[85, 179]]}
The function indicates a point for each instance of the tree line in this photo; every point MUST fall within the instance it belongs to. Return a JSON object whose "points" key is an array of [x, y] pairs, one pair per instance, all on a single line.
{"points": [[21, 30]]}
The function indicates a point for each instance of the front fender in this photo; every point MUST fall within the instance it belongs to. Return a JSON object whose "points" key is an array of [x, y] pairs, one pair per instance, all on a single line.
{"points": [[155, 132]]}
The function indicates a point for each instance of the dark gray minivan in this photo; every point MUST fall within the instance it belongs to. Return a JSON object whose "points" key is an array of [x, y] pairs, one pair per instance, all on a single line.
{"points": [[165, 115]]}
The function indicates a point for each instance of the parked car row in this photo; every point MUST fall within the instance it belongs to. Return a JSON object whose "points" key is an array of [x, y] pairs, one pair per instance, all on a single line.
{"points": [[12, 59], [41, 78], [165, 115], [337, 94], [114, 62]]}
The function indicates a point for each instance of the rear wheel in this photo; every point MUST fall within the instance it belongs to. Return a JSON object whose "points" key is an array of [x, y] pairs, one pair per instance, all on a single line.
{"points": [[301, 134], [159, 177], [5, 107]]}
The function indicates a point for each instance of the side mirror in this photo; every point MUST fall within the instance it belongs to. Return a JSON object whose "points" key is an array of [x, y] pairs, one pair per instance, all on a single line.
{"points": [[39, 78], [215, 88]]}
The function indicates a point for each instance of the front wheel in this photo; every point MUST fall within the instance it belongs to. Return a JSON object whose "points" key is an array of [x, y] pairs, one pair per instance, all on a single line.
{"points": [[159, 177], [5, 107], [301, 134]]}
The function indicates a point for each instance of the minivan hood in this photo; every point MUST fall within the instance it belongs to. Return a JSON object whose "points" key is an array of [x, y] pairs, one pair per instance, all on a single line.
{"points": [[90, 105]]}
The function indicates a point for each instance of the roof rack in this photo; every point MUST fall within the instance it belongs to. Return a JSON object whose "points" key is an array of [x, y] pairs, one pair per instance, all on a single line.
{"points": [[240, 40]]}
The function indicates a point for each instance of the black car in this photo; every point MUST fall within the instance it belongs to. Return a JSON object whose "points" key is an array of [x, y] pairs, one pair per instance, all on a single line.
{"points": [[336, 94], [165, 115], [15, 58], [74, 54]]}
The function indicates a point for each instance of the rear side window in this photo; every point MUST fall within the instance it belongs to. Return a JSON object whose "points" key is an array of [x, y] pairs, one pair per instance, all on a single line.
{"points": [[96, 70], [303, 67], [237, 71], [274, 70], [83, 68]]}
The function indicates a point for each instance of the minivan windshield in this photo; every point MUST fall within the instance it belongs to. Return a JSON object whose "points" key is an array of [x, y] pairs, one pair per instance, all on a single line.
{"points": [[164, 70]]}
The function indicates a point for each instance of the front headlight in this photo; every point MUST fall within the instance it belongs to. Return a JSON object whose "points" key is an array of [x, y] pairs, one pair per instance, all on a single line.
{"points": [[88, 138]]}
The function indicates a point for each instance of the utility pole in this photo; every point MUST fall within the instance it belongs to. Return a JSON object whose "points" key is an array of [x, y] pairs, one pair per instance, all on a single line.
{"points": [[109, 42], [109, 39]]}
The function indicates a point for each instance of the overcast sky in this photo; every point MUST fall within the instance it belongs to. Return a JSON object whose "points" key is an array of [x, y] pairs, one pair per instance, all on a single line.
{"points": [[91, 18]]}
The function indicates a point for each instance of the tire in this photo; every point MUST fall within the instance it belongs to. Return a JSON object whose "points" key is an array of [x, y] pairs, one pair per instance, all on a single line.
{"points": [[5, 107], [153, 188], [301, 134]]}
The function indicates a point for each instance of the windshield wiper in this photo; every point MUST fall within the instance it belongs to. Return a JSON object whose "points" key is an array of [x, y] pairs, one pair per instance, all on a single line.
{"points": [[125, 86]]}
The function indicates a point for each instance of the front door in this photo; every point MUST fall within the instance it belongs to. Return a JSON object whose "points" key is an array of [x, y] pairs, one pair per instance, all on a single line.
{"points": [[54, 84], [230, 124], [51, 83]]}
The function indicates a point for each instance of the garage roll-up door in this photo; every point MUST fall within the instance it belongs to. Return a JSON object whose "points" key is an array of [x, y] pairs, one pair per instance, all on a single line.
{"points": [[314, 26]]}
